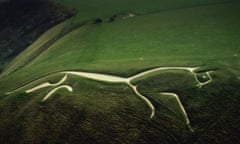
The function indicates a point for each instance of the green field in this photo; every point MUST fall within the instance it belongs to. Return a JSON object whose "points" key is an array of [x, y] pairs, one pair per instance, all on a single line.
{"points": [[162, 34]]}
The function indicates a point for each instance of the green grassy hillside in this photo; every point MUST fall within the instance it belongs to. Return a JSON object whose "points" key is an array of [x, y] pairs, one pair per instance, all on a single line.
{"points": [[162, 34], [89, 11], [193, 36], [106, 8], [22, 22]]}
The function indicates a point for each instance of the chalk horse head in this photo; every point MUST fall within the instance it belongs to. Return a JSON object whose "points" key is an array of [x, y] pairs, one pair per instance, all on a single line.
{"points": [[200, 78], [204, 78]]}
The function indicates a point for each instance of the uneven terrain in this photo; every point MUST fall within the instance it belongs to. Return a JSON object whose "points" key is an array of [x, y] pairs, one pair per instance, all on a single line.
{"points": [[122, 63]]}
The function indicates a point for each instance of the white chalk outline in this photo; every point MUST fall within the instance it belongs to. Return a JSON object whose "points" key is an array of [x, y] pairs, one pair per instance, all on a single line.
{"points": [[69, 88], [117, 79]]}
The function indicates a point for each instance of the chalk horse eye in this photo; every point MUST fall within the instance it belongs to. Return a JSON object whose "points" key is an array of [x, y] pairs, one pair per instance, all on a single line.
{"points": [[204, 77]]}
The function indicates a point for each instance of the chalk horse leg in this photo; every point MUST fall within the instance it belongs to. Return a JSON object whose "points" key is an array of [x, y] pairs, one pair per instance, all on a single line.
{"points": [[169, 100], [149, 103], [173, 103]]}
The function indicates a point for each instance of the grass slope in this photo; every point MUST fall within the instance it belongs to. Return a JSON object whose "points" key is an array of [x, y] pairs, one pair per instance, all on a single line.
{"points": [[94, 9], [110, 113], [23, 22], [36, 48], [106, 8], [182, 37]]}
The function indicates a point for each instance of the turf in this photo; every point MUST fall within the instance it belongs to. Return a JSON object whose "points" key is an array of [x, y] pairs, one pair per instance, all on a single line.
{"points": [[193, 36], [106, 8], [98, 112]]}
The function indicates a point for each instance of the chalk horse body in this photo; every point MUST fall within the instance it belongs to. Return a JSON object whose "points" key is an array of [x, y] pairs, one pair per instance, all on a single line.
{"points": [[129, 81]]}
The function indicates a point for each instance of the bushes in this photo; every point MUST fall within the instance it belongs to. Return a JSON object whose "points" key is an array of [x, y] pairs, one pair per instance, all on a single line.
{"points": [[97, 21]]}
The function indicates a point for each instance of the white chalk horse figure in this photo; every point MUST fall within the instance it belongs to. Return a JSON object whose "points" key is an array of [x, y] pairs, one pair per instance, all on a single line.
{"points": [[205, 79]]}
